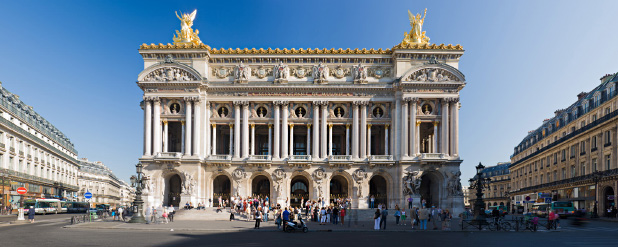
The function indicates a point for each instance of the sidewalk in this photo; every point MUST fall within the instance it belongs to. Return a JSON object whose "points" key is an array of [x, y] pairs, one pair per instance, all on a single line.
{"points": [[242, 225]]}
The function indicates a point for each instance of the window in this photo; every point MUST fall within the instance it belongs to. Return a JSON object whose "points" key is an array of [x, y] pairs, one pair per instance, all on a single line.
{"points": [[608, 138], [593, 144], [563, 173], [563, 155], [608, 161], [535, 164], [607, 110], [573, 148], [541, 178], [556, 175], [583, 124], [573, 171], [594, 117], [555, 158], [582, 147], [549, 177], [594, 165]]}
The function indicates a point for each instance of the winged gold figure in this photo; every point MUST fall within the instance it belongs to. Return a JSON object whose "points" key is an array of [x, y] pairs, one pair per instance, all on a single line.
{"points": [[186, 33]]}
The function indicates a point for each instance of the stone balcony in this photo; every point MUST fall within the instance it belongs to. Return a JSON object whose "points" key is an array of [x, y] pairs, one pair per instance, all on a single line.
{"points": [[302, 158], [381, 158], [220, 157]]}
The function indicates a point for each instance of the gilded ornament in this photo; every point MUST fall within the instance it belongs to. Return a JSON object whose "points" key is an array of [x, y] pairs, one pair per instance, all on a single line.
{"points": [[186, 35]]}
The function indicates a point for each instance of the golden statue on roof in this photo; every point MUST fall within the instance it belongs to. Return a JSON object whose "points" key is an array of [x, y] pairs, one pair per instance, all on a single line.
{"points": [[186, 33], [416, 35]]}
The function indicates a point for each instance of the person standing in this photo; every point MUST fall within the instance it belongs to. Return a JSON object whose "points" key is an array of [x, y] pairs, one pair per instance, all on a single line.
{"points": [[433, 214], [410, 202], [397, 214], [342, 214], [120, 211], [372, 200], [376, 219], [31, 214], [286, 218], [414, 217], [323, 216], [423, 216], [383, 218], [335, 215], [258, 217], [403, 217], [148, 213], [171, 213]]}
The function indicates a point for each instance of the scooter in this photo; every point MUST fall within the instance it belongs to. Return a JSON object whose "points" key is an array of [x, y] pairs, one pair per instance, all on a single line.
{"points": [[292, 226]]}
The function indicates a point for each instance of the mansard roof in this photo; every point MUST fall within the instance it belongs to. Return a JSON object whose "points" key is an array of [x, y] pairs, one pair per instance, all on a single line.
{"points": [[574, 111], [26, 113]]}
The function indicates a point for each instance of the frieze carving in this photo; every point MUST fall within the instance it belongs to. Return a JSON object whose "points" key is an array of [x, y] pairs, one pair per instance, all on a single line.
{"points": [[379, 72], [281, 72], [360, 73], [261, 72], [242, 73], [221, 72], [239, 174], [340, 72], [301, 72], [432, 75], [320, 73], [169, 74]]}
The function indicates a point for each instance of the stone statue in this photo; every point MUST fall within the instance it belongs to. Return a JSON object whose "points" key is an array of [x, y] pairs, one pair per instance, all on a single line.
{"points": [[359, 176], [412, 183], [454, 184], [242, 73], [416, 35], [281, 72], [360, 73], [320, 72], [188, 183], [186, 33], [169, 74], [254, 113], [279, 176]]}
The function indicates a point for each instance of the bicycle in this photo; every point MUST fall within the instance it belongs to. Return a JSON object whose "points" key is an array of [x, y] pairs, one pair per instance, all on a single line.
{"points": [[499, 224]]}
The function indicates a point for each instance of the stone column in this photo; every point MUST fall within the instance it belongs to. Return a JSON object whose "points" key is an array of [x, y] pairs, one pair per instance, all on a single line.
{"points": [[291, 139], [308, 139], [237, 129], [330, 139], [232, 149], [435, 137], [253, 139], [404, 127], [270, 141], [276, 137], [355, 130], [418, 136], [188, 125], [245, 129], [397, 130], [412, 124], [207, 132], [316, 130], [165, 142], [182, 136], [347, 139], [284, 130], [444, 127], [198, 128], [147, 126], [214, 139], [386, 139], [363, 129], [323, 130], [369, 140], [157, 126], [455, 128]]}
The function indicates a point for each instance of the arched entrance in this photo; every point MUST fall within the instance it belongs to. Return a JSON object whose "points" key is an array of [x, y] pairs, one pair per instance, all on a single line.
{"points": [[260, 187], [377, 189], [338, 188], [173, 189], [222, 187], [299, 190], [608, 197], [430, 190]]}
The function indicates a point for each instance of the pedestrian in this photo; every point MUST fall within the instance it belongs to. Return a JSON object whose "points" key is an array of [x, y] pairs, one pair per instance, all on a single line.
{"points": [[410, 202], [258, 218], [148, 213], [342, 215], [286, 218], [164, 215], [449, 217], [278, 220], [329, 212], [120, 211], [323, 216], [433, 214], [414, 217], [153, 215], [31, 214], [403, 216], [376, 219], [443, 217], [171, 213], [397, 214], [372, 200], [335, 215], [383, 218], [423, 216]]}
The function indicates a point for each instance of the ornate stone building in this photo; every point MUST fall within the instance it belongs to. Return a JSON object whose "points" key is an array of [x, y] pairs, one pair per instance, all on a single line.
{"points": [[33, 154], [497, 194], [297, 124], [572, 156], [98, 179]]}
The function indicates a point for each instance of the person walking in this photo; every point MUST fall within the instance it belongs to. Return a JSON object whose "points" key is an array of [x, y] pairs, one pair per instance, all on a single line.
{"points": [[170, 213], [286, 218], [120, 211], [323, 216], [423, 216], [376, 219], [383, 218], [397, 214], [31, 214], [258, 217], [414, 217], [342, 215], [403, 217], [335, 215]]}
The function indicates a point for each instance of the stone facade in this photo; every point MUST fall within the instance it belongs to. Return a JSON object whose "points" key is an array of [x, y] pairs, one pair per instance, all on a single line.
{"points": [[499, 186], [572, 154], [302, 124], [98, 179]]}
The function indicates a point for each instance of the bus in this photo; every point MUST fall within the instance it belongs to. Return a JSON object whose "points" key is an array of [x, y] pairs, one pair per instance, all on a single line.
{"points": [[563, 209], [501, 209], [43, 206], [540, 209], [75, 207]]}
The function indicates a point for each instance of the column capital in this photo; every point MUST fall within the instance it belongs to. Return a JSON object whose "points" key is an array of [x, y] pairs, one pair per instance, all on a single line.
{"points": [[241, 102], [412, 100], [270, 126], [369, 126], [386, 126], [165, 122], [252, 125], [231, 125], [309, 126], [214, 125], [418, 122], [330, 125], [156, 100], [291, 125], [435, 123], [347, 126], [182, 122]]}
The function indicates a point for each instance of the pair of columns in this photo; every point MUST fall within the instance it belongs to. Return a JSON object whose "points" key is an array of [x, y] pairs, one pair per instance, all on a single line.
{"points": [[155, 135]]}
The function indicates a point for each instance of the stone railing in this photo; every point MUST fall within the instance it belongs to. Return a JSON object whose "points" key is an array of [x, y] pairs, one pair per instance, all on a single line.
{"points": [[432, 156], [340, 158], [220, 157], [2, 145], [169, 155], [260, 157], [381, 157], [300, 157], [21, 153]]}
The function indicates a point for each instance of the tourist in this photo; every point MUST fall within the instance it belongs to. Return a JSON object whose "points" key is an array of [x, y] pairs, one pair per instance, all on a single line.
{"points": [[148, 213], [410, 202], [265, 212], [376, 219], [258, 218], [383, 218], [120, 211], [433, 214], [171, 212], [164, 215], [286, 218], [403, 216], [153, 215], [443, 216], [423, 216], [397, 214], [335, 215], [31, 214], [323, 216], [342, 215], [372, 200]]}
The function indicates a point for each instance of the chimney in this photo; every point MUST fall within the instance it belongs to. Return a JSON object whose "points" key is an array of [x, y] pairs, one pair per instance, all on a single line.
{"points": [[581, 95]]}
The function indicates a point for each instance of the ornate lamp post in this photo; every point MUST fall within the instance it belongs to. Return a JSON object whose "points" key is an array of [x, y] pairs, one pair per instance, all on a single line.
{"points": [[596, 177], [479, 183], [139, 182]]}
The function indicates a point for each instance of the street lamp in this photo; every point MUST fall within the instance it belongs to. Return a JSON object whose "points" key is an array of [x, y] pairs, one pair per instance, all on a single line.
{"points": [[479, 183], [596, 177], [139, 182]]}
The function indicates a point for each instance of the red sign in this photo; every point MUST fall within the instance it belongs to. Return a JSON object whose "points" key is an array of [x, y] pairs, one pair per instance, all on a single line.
{"points": [[22, 190]]}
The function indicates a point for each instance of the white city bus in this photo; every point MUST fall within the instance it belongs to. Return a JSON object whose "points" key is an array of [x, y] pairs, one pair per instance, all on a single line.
{"points": [[43, 206]]}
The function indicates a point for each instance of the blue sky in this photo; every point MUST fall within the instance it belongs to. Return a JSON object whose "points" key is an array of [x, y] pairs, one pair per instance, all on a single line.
{"points": [[76, 62]]}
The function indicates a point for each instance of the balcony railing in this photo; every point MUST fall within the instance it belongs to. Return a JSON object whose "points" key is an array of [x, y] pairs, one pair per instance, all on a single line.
{"points": [[300, 157], [12, 149], [169, 155], [21, 153], [260, 157], [2, 145], [340, 158], [381, 158], [432, 156], [220, 157]]}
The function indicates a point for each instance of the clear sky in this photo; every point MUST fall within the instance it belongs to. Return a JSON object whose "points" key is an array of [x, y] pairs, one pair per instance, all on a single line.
{"points": [[76, 62]]}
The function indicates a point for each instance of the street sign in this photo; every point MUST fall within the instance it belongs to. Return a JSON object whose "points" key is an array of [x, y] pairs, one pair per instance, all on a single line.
{"points": [[22, 190], [88, 195], [547, 200], [527, 198]]}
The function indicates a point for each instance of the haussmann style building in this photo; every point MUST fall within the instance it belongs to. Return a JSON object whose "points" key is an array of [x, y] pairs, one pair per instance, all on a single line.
{"points": [[302, 124]]}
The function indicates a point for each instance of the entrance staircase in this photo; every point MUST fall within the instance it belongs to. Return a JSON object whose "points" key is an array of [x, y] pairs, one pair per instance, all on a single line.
{"points": [[210, 214]]}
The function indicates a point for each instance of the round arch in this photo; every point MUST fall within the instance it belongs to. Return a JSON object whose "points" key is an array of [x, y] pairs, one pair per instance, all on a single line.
{"points": [[170, 64], [261, 186], [453, 73], [222, 186], [172, 189], [340, 186], [432, 188], [608, 199], [296, 194]]}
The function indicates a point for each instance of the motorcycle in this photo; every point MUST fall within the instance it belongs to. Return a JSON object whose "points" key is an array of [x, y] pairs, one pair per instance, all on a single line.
{"points": [[292, 226]]}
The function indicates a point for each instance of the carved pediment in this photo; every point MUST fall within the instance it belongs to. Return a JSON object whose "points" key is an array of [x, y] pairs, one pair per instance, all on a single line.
{"points": [[432, 75], [170, 74]]}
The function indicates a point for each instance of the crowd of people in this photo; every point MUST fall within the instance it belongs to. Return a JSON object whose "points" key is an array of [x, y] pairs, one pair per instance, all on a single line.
{"points": [[419, 218]]}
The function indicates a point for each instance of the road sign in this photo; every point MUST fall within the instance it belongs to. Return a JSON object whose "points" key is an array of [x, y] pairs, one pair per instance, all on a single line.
{"points": [[22, 190], [547, 200], [527, 198], [88, 195]]}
